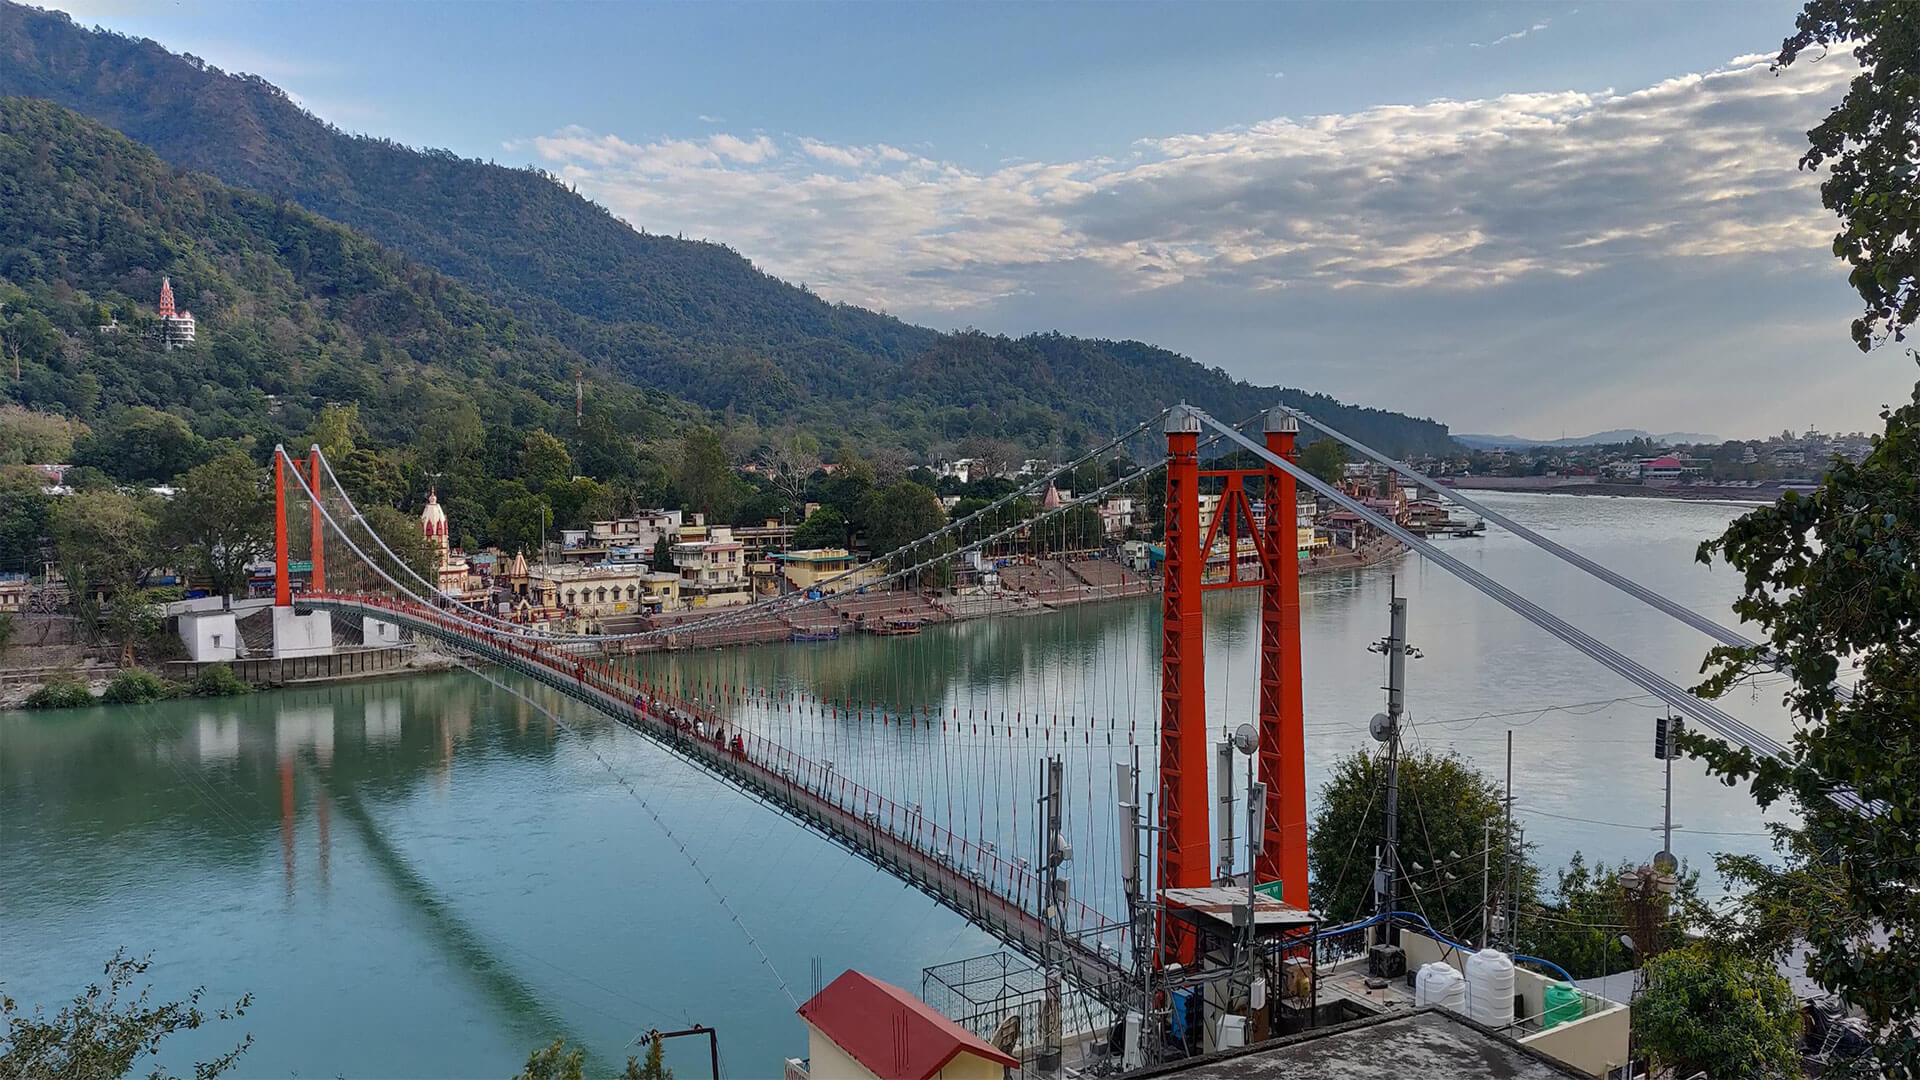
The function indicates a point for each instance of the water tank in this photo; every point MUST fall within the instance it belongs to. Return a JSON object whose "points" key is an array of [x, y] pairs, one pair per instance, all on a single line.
{"points": [[1490, 988], [1446, 989], [1563, 1004]]}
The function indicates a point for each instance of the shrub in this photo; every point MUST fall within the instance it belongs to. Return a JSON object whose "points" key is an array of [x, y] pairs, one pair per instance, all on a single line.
{"points": [[137, 687], [218, 680], [60, 693]]}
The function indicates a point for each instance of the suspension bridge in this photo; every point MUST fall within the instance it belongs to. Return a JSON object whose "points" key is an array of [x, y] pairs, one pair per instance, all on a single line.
{"points": [[950, 823]]}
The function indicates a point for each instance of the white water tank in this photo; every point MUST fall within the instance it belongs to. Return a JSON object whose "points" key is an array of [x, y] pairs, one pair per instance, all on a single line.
{"points": [[1490, 988], [1440, 985]]}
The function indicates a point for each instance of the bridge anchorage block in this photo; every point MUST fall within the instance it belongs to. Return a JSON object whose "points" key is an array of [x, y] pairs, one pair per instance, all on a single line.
{"points": [[301, 633]]}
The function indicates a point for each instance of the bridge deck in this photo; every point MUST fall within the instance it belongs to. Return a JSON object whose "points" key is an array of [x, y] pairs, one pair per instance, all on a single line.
{"points": [[990, 891]]}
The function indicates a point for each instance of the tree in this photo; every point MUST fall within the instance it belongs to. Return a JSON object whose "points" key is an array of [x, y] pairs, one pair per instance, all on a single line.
{"points": [[1445, 808], [793, 462], [655, 1067], [1579, 927], [1831, 578], [1872, 140], [902, 513], [520, 523], [704, 476], [1705, 1009], [825, 527], [134, 614], [106, 538], [663, 554], [544, 462], [26, 515], [554, 1062], [1326, 459], [142, 445], [220, 521], [401, 533], [337, 430], [100, 1036]]}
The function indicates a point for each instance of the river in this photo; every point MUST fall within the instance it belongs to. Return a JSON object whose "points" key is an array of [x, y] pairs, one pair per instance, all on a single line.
{"points": [[431, 876]]}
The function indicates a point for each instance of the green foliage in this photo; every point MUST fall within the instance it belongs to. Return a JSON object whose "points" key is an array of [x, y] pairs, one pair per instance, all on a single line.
{"points": [[220, 520], [106, 539], [296, 315], [520, 524], [136, 687], [1833, 578], [554, 1062], [1326, 459], [60, 693], [900, 514], [8, 627], [1579, 926], [142, 445], [99, 1036], [35, 438], [135, 615], [26, 519], [1871, 143], [1445, 805], [704, 477], [218, 680], [402, 535], [824, 528], [544, 462], [1707, 1009], [654, 1068]]}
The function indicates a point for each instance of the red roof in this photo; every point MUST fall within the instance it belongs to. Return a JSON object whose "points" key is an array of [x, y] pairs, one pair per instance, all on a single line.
{"points": [[891, 1032], [1666, 462]]}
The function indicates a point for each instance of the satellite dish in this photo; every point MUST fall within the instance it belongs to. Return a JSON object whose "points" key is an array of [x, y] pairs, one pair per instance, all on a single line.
{"points": [[1246, 739], [1382, 727], [1666, 862]]}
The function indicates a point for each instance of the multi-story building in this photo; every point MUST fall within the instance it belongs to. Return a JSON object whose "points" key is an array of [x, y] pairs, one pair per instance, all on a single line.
{"points": [[603, 590], [823, 569], [620, 540], [713, 570]]}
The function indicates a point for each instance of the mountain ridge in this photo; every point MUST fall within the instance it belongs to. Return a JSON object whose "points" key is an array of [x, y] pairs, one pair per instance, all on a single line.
{"points": [[693, 319], [1599, 438]]}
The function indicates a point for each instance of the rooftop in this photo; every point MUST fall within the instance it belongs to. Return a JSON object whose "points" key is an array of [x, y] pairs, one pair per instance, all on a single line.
{"points": [[895, 1035], [1427, 1043]]}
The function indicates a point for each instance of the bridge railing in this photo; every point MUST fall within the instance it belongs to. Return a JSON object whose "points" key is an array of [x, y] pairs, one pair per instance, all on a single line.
{"points": [[1012, 881]]}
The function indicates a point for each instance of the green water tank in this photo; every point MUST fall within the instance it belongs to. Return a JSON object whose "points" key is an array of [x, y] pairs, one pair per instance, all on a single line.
{"points": [[1563, 1005]]}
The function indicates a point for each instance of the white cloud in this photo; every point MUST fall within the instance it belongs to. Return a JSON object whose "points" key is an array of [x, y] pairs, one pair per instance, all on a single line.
{"points": [[1442, 195], [1515, 36]]}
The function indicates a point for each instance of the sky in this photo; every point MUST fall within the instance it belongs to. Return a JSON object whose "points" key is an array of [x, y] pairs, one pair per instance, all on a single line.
{"points": [[1534, 219]]}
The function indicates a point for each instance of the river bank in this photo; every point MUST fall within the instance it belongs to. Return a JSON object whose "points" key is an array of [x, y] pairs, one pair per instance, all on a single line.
{"points": [[1031, 588], [1587, 485]]}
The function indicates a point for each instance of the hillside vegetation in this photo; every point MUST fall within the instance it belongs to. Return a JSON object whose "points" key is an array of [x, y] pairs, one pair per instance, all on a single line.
{"points": [[693, 319]]}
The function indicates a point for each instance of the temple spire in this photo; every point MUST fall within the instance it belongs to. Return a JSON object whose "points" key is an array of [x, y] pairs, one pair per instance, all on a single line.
{"points": [[166, 299]]}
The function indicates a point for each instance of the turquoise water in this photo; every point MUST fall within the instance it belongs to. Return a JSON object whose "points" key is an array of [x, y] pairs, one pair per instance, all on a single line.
{"points": [[429, 876]]}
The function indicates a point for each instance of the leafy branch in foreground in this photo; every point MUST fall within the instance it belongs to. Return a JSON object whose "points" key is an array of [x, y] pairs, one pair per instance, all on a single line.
{"points": [[1833, 579], [100, 1036]]}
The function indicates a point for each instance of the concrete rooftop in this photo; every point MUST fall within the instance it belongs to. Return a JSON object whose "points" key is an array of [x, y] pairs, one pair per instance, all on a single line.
{"points": [[1428, 1043]]}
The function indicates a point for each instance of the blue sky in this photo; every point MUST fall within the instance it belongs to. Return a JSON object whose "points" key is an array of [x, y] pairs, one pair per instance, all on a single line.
{"points": [[1528, 218]]}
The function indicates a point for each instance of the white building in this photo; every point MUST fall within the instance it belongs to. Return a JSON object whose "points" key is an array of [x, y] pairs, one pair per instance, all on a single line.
{"points": [[176, 327], [713, 571]]}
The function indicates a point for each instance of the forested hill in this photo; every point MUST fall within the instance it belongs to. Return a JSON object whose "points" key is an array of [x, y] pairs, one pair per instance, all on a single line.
{"points": [[292, 310], [691, 318]]}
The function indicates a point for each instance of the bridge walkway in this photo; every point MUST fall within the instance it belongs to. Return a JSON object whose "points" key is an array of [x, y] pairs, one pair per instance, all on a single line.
{"points": [[989, 890]]}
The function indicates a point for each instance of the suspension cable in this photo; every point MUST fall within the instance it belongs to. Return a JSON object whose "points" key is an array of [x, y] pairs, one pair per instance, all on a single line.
{"points": [[1633, 671]]}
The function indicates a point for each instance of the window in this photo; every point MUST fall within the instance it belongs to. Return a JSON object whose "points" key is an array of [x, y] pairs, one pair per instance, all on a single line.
{"points": [[632, 592], [603, 594], [569, 597]]}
